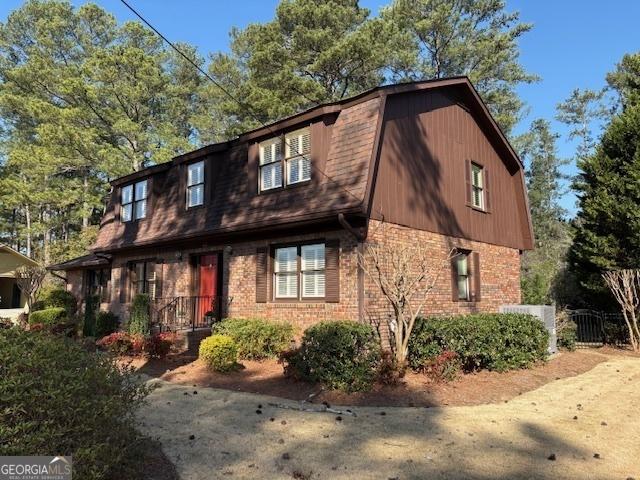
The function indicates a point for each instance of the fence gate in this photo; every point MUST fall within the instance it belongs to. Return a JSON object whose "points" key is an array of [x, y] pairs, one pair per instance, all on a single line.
{"points": [[595, 329]]}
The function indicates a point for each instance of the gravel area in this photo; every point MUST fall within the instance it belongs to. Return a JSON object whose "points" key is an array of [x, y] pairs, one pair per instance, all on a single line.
{"points": [[582, 427]]}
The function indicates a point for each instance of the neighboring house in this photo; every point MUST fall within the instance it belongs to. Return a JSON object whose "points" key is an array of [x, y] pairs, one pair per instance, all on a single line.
{"points": [[270, 223], [12, 301]]}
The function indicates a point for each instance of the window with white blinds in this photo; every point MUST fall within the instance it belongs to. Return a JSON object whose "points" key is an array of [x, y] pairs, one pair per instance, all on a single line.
{"points": [[299, 272], [286, 272], [298, 160], [271, 164], [312, 270], [285, 160], [195, 184]]}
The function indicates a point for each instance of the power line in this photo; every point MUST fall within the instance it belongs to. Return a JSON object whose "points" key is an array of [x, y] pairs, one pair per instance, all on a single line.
{"points": [[242, 105]]}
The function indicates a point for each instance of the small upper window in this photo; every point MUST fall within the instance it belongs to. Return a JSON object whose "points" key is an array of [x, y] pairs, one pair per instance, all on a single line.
{"points": [[462, 273], [298, 149], [271, 164], [477, 186], [134, 201], [195, 184]]}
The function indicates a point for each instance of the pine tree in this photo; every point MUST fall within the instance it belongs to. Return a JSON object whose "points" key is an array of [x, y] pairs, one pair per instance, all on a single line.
{"points": [[608, 221], [541, 266]]}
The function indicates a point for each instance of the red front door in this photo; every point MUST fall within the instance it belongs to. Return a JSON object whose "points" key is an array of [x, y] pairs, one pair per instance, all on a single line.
{"points": [[207, 285]]}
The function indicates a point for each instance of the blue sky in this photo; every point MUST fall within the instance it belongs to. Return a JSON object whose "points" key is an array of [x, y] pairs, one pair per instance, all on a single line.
{"points": [[574, 43]]}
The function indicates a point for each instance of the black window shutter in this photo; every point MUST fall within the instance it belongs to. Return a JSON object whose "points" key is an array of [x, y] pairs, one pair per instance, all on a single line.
{"points": [[332, 271], [262, 274], [467, 179], [159, 274], [454, 277], [124, 282], [475, 256]]}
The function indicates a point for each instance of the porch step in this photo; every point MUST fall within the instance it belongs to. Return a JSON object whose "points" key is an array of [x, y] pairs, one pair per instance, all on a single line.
{"points": [[189, 341]]}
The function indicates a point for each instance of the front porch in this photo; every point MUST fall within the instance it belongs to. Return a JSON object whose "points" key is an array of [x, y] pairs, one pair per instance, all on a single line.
{"points": [[173, 314]]}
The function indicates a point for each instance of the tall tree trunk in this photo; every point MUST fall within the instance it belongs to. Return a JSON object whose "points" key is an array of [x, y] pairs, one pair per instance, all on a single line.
{"points": [[27, 216], [85, 203]]}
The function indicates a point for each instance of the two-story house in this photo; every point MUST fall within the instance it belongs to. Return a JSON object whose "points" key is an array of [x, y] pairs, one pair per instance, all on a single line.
{"points": [[270, 224]]}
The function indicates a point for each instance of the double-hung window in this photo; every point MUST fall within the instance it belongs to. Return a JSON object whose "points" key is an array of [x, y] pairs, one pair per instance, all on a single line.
{"points": [[271, 164], [299, 272], [143, 278], [285, 160], [195, 184], [134, 201], [462, 276], [477, 186], [297, 154]]}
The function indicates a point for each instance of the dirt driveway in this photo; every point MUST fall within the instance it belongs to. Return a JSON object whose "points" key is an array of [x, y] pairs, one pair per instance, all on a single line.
{"points": [[584, 427]]}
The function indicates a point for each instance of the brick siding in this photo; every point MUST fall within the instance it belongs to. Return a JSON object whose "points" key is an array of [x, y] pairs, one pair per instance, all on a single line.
{"points": [[500, 276]]}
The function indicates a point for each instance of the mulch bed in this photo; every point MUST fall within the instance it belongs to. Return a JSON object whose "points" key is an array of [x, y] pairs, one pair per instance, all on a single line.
{"points": [[266, 377]]}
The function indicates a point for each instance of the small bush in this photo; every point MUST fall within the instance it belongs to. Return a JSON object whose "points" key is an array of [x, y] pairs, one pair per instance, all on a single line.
{"points": [[159, 344], [56, 395], [493, 341], [48, 316], [256, 338], [444, 367], [91, 305], [389, 372], [106, 323], [117, 343], [341, 355], [59, 297], [219, 352], [140, 315], [566, 331]]}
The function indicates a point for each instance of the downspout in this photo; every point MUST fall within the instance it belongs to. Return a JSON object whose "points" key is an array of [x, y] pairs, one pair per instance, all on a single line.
{"points": [[360, 237]]}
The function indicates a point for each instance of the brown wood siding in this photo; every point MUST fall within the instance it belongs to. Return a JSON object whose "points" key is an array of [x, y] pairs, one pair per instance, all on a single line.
{"points": [[428, 141]]}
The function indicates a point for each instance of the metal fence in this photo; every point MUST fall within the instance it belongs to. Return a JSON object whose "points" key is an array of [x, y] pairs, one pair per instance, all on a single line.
{"points": [[596, 328]]}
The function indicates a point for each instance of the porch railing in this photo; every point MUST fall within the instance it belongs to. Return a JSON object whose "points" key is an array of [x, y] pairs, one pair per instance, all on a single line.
{"points": [[186, 312]]}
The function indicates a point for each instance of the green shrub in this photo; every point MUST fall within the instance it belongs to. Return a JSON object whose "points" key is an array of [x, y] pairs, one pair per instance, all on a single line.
{"points": [[256, 338], [341, 355], [57, 395], [59, 297], [493, 341], [140, 315], [91, 305], [48, 316], [567, 334], [106, 323], [219, 352]]}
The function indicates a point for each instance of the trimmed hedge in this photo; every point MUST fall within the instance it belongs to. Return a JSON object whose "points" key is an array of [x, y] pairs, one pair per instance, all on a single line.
{"points": [[55, 395], [341, 355], [256, 338], [106, 323], [48, 316], [140, 316], [219, 352], [492, 341], [58, 297]]}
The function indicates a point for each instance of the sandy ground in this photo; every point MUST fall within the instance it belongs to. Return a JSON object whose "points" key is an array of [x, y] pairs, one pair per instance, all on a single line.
{"points": [[588, 423]]}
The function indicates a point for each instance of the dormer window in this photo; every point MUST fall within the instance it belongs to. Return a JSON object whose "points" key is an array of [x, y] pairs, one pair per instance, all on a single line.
{"points": [[298, 149], [271, 164], [134, 201], [195, 184], [294, 165]]}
